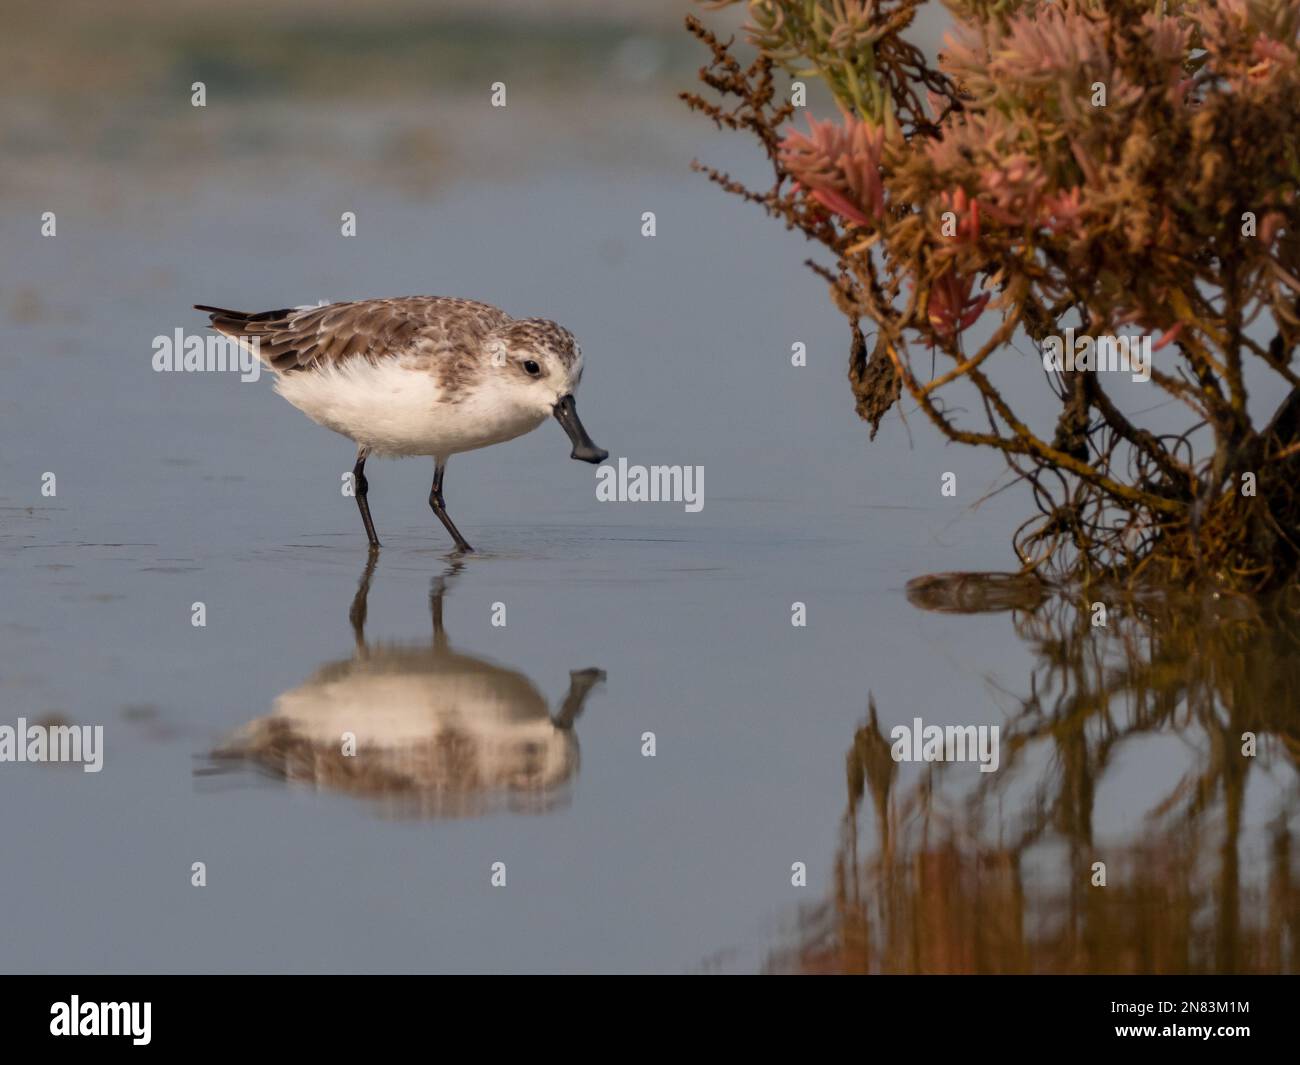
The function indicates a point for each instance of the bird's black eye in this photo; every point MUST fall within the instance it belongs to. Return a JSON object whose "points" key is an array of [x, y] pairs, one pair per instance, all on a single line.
{"points": [[532, 368]]}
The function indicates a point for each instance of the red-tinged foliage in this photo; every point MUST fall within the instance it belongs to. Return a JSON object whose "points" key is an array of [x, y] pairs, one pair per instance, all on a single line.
{"points": [[1095, 164]]}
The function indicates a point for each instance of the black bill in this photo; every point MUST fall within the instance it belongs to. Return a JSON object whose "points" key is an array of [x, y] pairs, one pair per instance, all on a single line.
{"points": [[566, 413]]}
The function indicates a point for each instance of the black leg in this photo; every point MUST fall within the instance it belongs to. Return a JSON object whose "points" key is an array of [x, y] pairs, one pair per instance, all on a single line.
{"points": [[440, 508], [362, 486], [357, 614], [437, 589]]}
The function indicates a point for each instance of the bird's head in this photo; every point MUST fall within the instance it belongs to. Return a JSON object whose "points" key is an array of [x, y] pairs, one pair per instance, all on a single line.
{"points": [[539, 365]]}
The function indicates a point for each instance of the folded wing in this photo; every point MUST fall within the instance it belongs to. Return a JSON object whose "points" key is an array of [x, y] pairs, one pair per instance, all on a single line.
{"points": [[301, 338]]}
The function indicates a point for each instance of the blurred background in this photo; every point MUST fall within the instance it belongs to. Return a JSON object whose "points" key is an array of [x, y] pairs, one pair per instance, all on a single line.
{"points": [[384, 96], [174, 489]]}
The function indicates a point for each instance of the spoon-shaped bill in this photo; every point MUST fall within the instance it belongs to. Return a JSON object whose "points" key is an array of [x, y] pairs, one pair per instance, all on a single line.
{"points": [[566, 413]]}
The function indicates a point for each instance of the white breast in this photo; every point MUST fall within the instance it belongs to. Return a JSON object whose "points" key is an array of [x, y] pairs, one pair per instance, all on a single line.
{"points": [[396, 409], [504, 733]]}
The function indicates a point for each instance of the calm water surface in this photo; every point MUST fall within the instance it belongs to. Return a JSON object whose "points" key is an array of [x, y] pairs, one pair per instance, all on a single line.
{"points": [[622, 619]]}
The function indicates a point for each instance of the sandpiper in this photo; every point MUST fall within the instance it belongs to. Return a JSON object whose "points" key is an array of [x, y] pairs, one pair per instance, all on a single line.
{"points": [[437, 732], [418, 375]]}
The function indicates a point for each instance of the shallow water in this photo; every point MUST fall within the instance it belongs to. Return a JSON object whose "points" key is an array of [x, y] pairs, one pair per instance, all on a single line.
{"points": [[174, 489]]}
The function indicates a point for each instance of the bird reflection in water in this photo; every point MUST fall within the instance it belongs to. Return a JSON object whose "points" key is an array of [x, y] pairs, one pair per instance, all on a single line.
{"points": [[437, 733]]}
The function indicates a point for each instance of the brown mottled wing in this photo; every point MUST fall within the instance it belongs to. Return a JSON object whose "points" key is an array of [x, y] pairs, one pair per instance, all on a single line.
{"points": [[303, 337]]}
